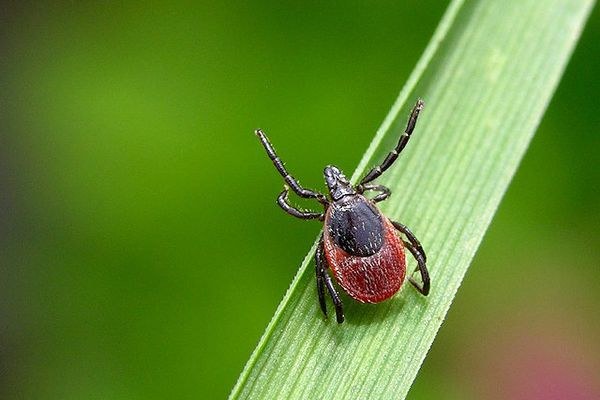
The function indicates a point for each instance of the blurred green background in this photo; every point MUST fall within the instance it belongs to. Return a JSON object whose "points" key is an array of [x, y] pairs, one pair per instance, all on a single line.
{"points": [[142, 253]]}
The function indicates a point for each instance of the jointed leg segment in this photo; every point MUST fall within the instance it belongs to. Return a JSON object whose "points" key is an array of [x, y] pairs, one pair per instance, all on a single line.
{"points": [[393, 155], [423, 289], [411, 237], [324, 280], [418, 253], [290, 180], [384, 192], [283, 202]]}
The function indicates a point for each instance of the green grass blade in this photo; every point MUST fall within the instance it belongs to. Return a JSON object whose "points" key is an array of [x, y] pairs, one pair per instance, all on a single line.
{"points": [[486, 78]]}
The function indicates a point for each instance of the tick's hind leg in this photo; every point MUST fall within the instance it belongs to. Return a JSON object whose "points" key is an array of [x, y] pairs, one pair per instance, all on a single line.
{"points": [[320, 280], [411, 237], [418, 253], [424, 288], [324, 281]]}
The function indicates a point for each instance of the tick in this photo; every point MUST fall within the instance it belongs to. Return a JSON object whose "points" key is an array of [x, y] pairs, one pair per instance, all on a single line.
{"points": [[363, 249]]}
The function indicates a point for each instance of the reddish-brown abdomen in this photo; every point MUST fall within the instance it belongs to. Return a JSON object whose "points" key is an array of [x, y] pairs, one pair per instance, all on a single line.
{"points": [[373, 278]]}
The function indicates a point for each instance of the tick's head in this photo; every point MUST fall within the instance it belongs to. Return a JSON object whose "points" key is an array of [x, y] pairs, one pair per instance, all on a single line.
{"points": [[337, 183]]}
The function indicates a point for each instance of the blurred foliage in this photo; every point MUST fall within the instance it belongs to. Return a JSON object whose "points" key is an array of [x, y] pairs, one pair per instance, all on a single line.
{"points": [[142, 253]]}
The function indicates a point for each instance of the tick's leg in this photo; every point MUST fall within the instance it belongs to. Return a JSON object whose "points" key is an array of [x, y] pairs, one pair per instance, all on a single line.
{"points": [[424, 289], [324, 280], [393, 155], [290, 180], [411, 237], [283, 202], [384, 192], [319, 260]]}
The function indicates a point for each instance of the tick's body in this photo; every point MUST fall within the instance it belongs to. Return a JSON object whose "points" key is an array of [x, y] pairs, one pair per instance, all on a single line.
{"points": [[359, 244], [363, 250]]}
